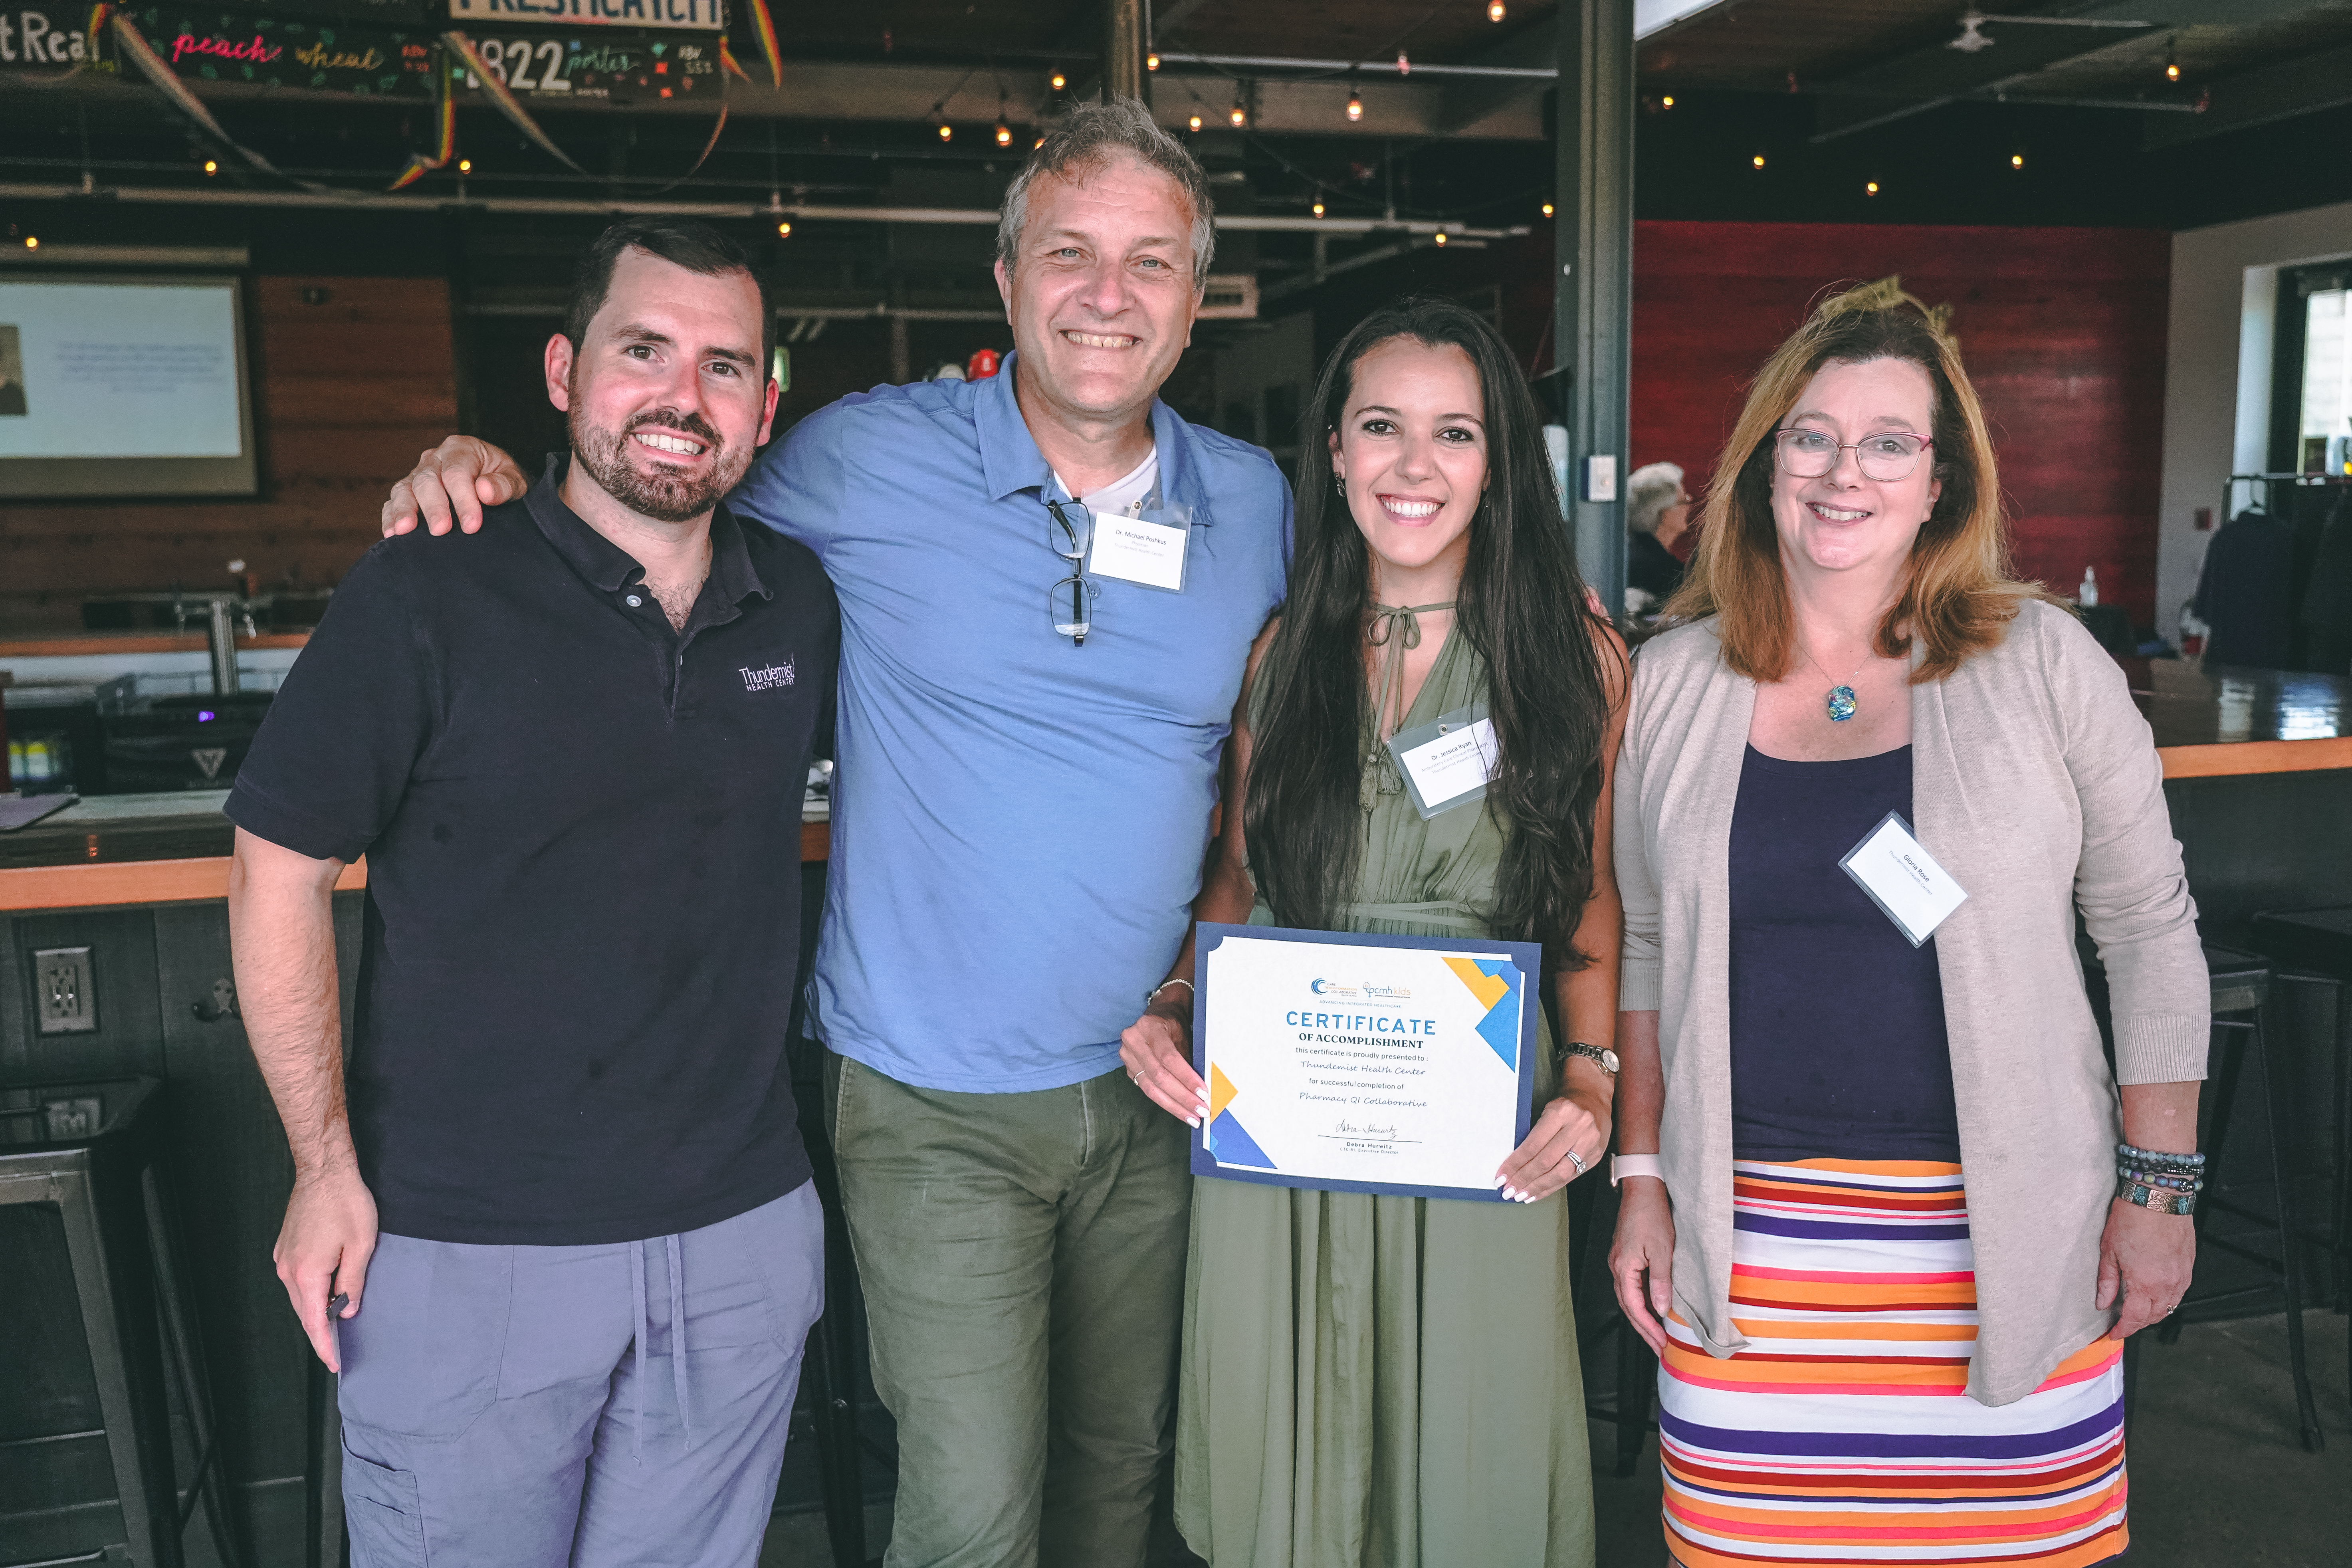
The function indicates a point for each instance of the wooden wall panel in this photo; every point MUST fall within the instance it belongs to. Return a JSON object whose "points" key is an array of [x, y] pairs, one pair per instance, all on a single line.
{"points": [[2063, 331], [348, 390]]}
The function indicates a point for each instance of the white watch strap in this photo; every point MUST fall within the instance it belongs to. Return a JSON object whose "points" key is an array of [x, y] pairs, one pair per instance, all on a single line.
{"points": [[1623, 1166]]}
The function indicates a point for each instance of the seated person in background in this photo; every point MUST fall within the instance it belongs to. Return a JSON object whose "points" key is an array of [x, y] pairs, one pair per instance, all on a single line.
{"points": [[561, 1245], [1657, 512], [2245, 593]]}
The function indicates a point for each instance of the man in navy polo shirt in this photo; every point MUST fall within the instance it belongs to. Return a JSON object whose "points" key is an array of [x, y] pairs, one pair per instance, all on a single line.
{"points": [[561, 1245], [1035, 698]]}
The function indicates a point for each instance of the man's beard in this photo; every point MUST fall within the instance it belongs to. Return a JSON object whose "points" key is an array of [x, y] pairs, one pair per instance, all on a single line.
{"points": [[605, 454]]}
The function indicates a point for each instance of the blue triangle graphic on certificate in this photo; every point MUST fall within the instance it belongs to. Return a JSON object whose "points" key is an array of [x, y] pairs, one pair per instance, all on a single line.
{"points": [[1232, 1146], [1500, 1026]]}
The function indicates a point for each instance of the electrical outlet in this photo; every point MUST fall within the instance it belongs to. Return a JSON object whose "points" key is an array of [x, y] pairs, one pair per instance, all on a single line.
{"points": [[65, 993]]}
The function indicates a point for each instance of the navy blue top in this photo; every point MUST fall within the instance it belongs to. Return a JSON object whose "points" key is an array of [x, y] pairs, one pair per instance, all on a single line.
{"points": [[1838, 1048], [582, 833]]}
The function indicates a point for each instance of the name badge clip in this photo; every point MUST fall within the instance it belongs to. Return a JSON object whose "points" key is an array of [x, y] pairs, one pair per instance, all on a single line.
{"points": [[1447, 762], [1902, 880]]}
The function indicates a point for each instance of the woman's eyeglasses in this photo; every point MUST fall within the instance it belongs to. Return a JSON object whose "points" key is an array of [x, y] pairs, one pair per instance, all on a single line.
{"points": [[1886, 456], [1070, 602]]}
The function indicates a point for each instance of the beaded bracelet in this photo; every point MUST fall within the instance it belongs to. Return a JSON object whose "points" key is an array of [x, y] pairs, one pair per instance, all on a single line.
{"points": [[2167, 1179], [2159, 1159], [2157, 1200]]}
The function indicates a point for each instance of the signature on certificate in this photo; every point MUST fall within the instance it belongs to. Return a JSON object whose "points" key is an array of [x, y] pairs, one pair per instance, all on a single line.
{"points": [[1349, 1129]]}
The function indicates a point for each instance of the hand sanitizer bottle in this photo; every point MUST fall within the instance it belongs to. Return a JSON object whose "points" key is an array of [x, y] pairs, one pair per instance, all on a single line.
{"points": [[2088, 593]]}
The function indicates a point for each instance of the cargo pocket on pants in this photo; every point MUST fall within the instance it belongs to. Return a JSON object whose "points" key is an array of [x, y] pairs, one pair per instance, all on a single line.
{"points": [[381, 1510]]}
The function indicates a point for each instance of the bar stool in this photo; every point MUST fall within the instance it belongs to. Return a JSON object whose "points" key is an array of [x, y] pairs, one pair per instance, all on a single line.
{"points": [[1592, 1294], [2241, 986], [2314, 947], [92, 1151]]}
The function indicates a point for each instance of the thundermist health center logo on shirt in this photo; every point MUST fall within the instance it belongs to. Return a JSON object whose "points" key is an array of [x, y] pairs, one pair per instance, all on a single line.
{"points": [[768, 676]]}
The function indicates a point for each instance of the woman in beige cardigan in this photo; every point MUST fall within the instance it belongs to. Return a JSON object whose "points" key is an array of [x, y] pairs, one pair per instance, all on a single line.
{"points": [[1887, 1217]]}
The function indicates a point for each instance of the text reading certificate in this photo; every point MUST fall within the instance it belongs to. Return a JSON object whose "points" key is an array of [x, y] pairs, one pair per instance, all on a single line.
{"points": [[1380, 1064]]}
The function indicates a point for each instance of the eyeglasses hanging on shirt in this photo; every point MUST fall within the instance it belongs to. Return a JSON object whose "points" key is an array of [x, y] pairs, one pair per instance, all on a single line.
{"points": [[1071, 601], [1147, 547]]}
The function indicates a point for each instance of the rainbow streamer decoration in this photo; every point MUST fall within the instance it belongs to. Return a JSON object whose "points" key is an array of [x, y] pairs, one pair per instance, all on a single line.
{"points": [[727, 62], [508, 105], [766, 25], [445, 145], [142, 54]]}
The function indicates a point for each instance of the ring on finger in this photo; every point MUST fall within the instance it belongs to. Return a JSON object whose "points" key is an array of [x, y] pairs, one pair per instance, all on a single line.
{"points": [[1579, 1161]]}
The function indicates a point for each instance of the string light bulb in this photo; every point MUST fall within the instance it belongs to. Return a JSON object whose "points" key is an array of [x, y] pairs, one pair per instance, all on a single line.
{"points": [[1758, 161], [784, 230], [1495, 12], [1194, 123], [1239, 116], [32, 242], [1058, 80], [1547, 209], [1003, 134], [1404, 66], [1668, 101], [1441, 239], [1355, 106], [211, 167], [465, 165], [1871, 189], [1319, 209], [947, 131], [1152, 61], [2017, 159], [2171, 62]]}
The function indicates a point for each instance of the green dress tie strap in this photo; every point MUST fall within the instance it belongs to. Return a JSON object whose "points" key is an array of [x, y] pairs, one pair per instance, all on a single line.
{"points": [[1396, 627]]}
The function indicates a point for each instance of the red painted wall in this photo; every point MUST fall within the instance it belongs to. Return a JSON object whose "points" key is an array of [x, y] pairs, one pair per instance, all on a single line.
{"points": [[2061, 329]]}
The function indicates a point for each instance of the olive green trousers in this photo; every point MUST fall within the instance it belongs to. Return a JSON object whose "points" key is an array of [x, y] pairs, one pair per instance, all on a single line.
{"points": [[1023, 1262]]}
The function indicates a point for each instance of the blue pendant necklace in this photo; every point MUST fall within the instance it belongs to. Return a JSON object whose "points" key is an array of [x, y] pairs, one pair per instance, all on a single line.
{"points": [[1841, 703]]}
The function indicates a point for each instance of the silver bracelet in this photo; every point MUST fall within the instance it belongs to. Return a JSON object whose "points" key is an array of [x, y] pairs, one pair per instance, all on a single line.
{"points": [[1153, 994]]}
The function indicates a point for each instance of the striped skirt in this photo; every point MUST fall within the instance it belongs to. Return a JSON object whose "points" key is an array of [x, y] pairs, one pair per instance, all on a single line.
{"points": [[1843, 1434]]}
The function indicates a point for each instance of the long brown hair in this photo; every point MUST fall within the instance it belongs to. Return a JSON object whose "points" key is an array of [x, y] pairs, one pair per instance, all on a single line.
{"points": [[1958, 598], [1522, 608]]}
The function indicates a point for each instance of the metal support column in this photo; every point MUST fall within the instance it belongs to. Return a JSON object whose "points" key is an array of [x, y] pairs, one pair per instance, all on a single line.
{"points": [[1593, 295], [1125, 38]]}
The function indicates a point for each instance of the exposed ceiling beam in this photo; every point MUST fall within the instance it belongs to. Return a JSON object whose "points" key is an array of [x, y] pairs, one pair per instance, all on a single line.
{"points": [[806, 212], [1166, 19], [1928, 79], [843, 91], [1470, 101], [2259, 97]]}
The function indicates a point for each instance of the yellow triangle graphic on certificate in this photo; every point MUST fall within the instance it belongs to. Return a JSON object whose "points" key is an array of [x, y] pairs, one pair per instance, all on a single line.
{"points": [[1489, 988], [1221, 1092]]}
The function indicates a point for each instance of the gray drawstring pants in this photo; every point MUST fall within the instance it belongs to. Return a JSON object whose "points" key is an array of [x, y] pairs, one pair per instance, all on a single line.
{"points": [[607, 1406]]}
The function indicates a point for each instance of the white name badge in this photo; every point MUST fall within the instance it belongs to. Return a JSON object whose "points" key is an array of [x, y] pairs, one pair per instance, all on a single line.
{"points": [[1448, 762], [1902, 880], [1139, 550]]}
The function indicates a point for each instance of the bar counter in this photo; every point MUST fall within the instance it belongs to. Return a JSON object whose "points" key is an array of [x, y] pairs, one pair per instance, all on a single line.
{"points": [[121, 850], [2219, 724]]}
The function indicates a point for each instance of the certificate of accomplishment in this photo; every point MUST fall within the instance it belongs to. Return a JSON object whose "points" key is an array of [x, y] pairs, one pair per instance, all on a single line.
{"points": [[1364, 1064]]}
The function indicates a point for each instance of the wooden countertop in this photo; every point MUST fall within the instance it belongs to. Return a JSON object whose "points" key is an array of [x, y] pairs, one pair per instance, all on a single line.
{"points": [[2221, 720], [166, 849], [156, 849], [80, 643]]}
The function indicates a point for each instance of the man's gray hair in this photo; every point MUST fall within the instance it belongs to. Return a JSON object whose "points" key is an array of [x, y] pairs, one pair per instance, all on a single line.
{"points": [[1090, 135], [1649, 492]]}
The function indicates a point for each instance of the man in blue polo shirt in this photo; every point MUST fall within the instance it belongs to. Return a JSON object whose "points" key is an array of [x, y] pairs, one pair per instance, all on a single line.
{"points": [[1036, 692]]}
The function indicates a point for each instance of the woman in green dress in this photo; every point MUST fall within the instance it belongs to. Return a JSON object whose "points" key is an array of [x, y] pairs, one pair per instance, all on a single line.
{"points": [[1392, 1381]]}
